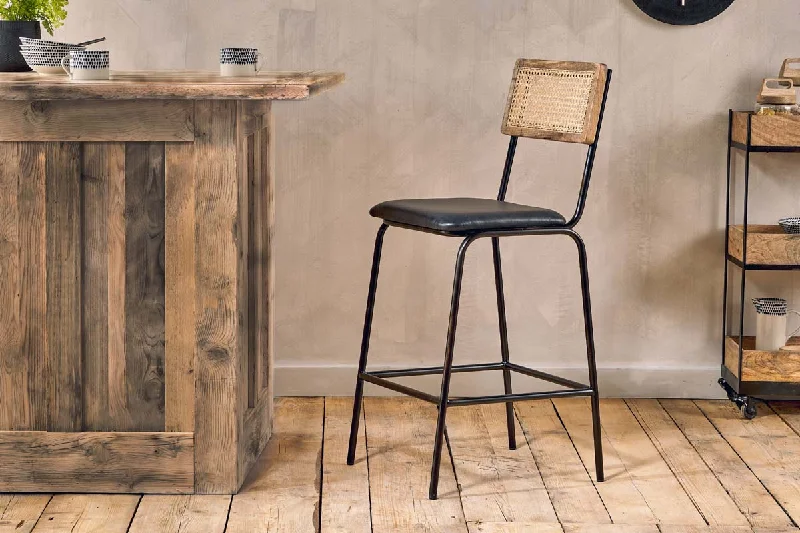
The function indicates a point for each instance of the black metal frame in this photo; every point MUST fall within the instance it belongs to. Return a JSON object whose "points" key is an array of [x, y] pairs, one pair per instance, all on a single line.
{"points": [[742, 393], [443, 401]]}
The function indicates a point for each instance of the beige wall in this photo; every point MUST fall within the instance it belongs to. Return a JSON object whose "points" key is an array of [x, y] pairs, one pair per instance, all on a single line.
{"points": [[420, 115]]}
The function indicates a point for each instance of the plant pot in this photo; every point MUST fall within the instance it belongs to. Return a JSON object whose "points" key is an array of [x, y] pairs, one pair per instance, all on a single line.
{"points": [[11, 59]]}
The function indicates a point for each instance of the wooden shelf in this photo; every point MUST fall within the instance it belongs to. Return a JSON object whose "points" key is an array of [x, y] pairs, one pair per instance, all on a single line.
{"points": [[768, 131], [766, 246], [761, 366]]}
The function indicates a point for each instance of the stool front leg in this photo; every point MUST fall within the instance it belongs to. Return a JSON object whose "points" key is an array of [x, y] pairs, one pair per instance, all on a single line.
{"points": [[447, 368], [590, 355], [362, 361], [501, 316]]}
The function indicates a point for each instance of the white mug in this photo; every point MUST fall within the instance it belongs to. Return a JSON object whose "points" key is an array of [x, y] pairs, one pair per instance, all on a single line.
{"points": [[771, 316], [86, 64], [239, 62]]}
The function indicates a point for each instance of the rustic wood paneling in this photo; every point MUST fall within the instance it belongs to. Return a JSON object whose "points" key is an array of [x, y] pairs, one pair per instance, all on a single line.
{"points": [[217, 409], [180, 284], [13, 373], [96, 462], [63, 317], [144, 284], [86, 120], [103, 175]]}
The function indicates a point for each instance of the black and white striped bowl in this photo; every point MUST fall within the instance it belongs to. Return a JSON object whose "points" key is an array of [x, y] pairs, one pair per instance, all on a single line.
{"points": [[790, 225]]}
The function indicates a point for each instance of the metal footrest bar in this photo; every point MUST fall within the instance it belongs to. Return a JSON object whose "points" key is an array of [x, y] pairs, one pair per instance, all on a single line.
{"points": [[402, 389], [564, 382], [432, 370], [503, 398]]}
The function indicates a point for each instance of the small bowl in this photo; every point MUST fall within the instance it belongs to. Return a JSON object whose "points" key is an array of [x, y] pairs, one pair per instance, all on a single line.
{"points": [[790, 225]]}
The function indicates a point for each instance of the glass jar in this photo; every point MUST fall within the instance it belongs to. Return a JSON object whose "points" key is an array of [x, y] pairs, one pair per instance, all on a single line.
{"points": [[777, 109]]}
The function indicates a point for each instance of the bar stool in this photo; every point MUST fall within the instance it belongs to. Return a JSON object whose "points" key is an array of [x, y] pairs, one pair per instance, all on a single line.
{"points": [[552, 100]]}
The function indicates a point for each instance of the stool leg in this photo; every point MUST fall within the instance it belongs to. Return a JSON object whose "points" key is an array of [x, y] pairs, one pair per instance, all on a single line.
{"points": [[501, 315], [362, 362], [448, 366], [589, 330]]}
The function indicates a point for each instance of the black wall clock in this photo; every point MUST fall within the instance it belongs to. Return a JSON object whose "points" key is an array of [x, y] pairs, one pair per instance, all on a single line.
{"points": [[683, 12]]}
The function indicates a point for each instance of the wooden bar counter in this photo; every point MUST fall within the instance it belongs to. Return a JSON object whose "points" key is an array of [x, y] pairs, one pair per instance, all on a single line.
{"points": [[136, 279]]}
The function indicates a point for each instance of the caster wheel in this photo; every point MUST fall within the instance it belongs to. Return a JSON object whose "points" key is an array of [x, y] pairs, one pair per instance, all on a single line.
{"points": [[749, 410]]}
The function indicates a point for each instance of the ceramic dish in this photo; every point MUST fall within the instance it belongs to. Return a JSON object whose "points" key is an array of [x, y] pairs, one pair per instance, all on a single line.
{"points": [[790, 225]]}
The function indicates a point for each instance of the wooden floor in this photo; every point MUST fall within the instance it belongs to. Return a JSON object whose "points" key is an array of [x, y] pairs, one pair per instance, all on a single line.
{"points": [[672, 466]]}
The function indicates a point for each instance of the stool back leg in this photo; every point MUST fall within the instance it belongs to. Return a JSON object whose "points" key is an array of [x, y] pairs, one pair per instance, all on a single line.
{"points": [[590, 353], [447, 368], [501, 316], [362, 361]]}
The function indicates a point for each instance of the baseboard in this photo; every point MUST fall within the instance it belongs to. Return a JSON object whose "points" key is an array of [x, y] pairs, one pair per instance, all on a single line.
{"points": [[616, 382]]}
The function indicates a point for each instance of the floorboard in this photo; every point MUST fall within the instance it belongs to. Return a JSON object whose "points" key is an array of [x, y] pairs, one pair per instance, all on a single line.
{"points": [[622, 499], [345, 489], [88, 513], [770, 448], [496, 484], [571, 490], [282, 492], [699, 483], [752, 498], [181, 514], [400, 435], [20, 512]]}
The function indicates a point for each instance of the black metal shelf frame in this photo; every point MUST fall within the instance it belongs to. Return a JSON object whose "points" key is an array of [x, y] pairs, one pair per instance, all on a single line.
{"points": [[743, 392]]}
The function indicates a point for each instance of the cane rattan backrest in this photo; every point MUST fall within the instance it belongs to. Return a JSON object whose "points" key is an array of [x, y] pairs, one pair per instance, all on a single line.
{"points": [[556, 100]]}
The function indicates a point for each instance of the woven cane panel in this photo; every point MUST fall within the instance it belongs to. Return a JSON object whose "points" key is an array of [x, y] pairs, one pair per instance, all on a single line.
{"points": [[550, 100]]}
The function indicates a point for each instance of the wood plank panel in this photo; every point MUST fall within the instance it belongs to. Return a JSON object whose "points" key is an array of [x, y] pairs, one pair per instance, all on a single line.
{"points": [[63, 317], [20, 512], [40, 461], [218, 410], [496, 484], [571, 490], [33, 296], [93, 121], [700, 484], [103, 174], [22, 284], [181, 514], [256, 430], [751, 497], [345, 489], [144, 285], [400, 434], [647, 469], [88, 513], [180, 285], [265, 230], [769, 447], [622, 499], [282, 491]]}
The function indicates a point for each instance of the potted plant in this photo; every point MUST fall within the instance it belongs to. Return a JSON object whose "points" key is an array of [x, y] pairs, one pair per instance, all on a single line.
{"points": [[25, 18]]}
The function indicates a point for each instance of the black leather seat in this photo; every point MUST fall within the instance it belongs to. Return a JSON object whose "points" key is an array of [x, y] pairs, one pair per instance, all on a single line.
{"points": [[465, 215]]}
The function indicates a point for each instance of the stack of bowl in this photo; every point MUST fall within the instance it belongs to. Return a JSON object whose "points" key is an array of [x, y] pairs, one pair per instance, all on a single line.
{"points": [[45, 56]]}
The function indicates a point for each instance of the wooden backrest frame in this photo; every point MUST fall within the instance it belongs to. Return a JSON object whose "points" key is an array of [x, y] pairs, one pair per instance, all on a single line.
{"points": [[592, 74]]}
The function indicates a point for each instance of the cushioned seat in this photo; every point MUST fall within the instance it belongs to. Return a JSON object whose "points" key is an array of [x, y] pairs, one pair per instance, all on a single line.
{"points": [[465, 215]]}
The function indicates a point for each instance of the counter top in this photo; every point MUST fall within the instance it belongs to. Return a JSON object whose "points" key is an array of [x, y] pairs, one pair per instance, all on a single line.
{"points": [[177, 84]]}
